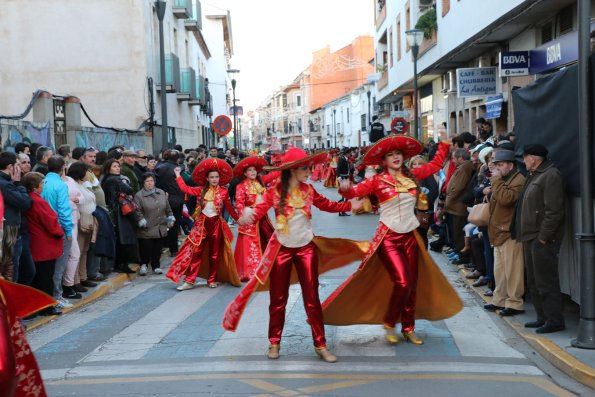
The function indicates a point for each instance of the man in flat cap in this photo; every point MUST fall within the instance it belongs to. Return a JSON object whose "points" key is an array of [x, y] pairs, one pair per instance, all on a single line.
{"points": [[507, 184], [538, 224], [127, 163]]}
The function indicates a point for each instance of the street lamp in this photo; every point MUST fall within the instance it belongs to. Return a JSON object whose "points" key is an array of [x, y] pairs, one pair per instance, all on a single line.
{"points": [[235, 120], [160, 9], [369, 93], [335, 125], [414, 39]]}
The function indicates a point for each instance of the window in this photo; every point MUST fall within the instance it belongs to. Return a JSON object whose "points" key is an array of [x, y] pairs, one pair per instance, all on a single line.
{"points": [[398, 37], [298, 100], [348, 115], [364, 124], [390, 46], [407, 22]]}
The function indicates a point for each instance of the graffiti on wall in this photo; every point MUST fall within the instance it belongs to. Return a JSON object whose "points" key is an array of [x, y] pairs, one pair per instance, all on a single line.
{"points": [[25, 131], [103, 139]]}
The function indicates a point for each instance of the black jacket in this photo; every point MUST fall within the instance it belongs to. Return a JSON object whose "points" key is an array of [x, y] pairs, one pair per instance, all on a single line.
{"points": [[113, 185], [343, 167], [16, 200], [105, 243], [166, 181]]}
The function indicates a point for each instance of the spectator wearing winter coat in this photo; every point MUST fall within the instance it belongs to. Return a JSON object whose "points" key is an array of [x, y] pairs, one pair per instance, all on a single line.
{"points": [[16, 201], [456, 210], [154, 216], [46, 237], [166, 181], [55, 192]]}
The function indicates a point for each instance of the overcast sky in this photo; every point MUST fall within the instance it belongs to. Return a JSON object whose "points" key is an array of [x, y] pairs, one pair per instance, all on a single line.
{"points": [[274, 39]]}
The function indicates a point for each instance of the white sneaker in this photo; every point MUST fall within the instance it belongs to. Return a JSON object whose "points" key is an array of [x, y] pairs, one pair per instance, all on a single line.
{"points": [[63, 303], [185, 286], [143, 270], [157, 271]]}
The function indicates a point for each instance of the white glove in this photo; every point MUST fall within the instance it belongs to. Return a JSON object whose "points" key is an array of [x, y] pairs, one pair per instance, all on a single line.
{"points": [[142, 223], [170, 221]]}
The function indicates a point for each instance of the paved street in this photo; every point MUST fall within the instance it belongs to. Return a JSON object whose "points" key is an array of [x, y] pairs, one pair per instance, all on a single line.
{"points": [[149, 339]]}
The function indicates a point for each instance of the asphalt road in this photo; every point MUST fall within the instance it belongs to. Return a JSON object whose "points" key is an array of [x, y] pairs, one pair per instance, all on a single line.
{"points": [[147, 339]]}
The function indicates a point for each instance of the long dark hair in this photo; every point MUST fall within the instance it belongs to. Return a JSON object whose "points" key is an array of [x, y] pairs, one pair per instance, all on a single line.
{"points": [[205, 189], [285, 177], [107, 165]]}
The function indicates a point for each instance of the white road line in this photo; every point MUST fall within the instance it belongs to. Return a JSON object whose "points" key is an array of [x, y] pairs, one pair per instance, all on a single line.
{"points": [[476, 335], [309, 366], [139, 337], [72, 321]]}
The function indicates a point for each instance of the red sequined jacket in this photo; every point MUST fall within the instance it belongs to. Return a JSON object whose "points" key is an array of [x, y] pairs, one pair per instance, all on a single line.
{"points": [[384, 186], [221, 197]]}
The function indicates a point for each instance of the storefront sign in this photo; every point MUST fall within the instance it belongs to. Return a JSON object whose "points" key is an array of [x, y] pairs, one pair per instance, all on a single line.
{"points": [[476, 82], [514, 63], [494, 106], [554, 54]]}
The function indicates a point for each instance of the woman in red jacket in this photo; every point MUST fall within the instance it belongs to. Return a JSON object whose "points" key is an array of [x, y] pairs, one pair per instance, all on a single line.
{"points": [[207, 250], [384, 288], [46, 237], [294, 248], [252, 239]]}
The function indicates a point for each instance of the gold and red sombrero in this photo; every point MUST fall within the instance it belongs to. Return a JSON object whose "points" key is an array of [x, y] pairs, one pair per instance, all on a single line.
{"points": [[406, 144], [296, 157], [258, 162], [199, 176]]}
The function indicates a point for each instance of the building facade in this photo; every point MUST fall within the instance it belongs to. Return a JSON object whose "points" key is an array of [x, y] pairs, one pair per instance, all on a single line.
{"points": [[106, 53]]}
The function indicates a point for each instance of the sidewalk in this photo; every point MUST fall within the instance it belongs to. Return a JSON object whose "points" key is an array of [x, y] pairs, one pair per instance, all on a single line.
{"points": [[112, 283], [555, 347]]}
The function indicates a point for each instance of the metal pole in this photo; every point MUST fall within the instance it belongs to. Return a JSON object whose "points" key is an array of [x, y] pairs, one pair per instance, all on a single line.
{"points": [[335, 125], [369, 116], [586, 326], [160, 7], [414, 50], [235, 121]]}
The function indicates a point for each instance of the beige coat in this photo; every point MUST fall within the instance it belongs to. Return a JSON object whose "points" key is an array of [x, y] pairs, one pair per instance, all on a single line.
{"points": [[154, 208], [505, 193]]}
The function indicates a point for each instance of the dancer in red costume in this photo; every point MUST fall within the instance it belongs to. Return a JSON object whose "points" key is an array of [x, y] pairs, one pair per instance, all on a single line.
{"points": [[294, 249], [384, 290], [207, 253], [317, 171], [252, 239], [331, 176], [19, 373]]}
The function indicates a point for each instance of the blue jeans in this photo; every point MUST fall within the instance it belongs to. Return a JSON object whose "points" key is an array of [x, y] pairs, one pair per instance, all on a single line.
{"points": [[16, 257], [26, 264]]}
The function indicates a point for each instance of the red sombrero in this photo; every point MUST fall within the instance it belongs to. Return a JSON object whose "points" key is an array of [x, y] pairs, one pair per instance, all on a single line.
{"points": [[211, 164], [296, 157], [252, 161], [407, 145]]}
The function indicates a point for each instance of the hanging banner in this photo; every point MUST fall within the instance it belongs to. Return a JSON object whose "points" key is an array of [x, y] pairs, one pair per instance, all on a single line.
{"points": [[494, 106]]}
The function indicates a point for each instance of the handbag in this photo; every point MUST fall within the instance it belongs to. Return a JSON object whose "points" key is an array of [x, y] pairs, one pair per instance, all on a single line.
{"points": [[86, 222], [480, 214], [126, 203], [424, 218]]}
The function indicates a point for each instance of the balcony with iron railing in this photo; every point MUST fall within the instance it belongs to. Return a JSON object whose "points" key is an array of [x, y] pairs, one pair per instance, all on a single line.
{"points": [[172, 73], [187, 85], [194, 23], [182, 9]]}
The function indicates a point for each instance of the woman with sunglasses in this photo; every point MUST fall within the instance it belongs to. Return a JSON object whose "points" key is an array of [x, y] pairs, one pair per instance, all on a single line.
{"points": [[293, 248]]}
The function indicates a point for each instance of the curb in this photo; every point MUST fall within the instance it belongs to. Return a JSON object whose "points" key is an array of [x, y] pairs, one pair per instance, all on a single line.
{"points": [[109, 285], [553, 353]]}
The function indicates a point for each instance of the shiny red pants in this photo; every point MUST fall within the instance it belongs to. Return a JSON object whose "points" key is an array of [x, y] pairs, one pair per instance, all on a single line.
{"points": [[306, 266], [212, 237], [398, 252]]}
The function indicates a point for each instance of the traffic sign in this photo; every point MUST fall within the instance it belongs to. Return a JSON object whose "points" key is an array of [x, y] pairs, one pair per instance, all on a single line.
{"points": [[222, 125], [399, 125]]}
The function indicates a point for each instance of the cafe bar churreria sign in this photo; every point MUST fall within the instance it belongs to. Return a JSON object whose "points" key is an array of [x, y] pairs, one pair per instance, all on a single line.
{"points": [[473, 82]]}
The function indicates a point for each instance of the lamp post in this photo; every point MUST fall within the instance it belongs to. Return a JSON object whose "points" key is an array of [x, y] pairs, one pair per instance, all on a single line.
{"points": [[335, 126], [369, 93], [160, 7], [235, 120], [414, 39]]}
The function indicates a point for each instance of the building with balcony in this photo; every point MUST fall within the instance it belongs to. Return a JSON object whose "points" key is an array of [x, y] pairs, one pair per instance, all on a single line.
{"points": [[459, 34], [106, 54]]}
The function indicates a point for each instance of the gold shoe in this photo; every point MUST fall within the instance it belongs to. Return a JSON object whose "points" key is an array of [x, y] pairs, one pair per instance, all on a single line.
{"points": [[273, 352], [326, 355], [391, 335], [412, 337], [185, 286]]}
